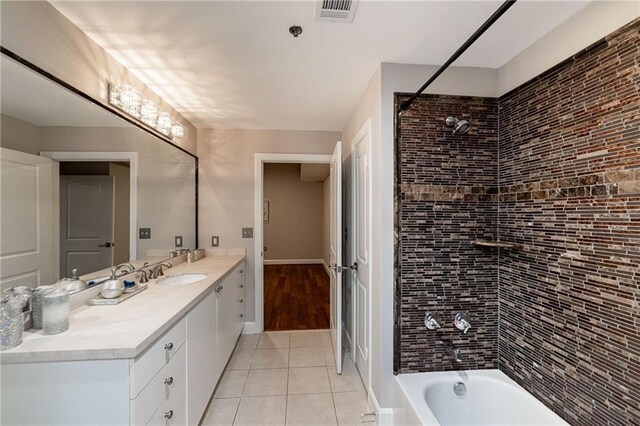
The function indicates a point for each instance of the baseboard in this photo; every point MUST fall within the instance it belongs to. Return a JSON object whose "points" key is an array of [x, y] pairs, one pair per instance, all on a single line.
{"points": [[293, 262], [326, 267], [250, 328], [385, 415]]}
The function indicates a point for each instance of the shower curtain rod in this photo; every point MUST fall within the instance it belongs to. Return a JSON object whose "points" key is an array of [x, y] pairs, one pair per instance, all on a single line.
{"points": [[488, 23]]}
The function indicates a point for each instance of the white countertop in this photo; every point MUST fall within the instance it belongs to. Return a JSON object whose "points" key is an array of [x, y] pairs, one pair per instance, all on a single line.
{"points": [[124, 330]]}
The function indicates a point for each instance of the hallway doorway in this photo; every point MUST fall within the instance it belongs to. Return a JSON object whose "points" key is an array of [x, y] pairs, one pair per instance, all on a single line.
{"points": [[296, 253]]}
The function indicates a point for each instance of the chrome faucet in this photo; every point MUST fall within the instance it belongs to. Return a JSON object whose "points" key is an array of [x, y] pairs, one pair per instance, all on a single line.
{"points": [[452, 350], [156, 271], [126, 267], [462, 322], [431, 321]]}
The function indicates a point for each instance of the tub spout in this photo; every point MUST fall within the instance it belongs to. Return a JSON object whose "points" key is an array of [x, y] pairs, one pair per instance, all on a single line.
{"points": [[452, 350]]}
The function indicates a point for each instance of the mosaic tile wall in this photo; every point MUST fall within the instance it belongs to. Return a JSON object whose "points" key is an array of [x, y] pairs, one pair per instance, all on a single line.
{"points": [[448, 191], [560, 314], [570, 192]]}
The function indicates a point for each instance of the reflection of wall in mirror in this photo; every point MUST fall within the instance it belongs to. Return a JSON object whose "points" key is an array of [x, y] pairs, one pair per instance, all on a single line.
{"points": [[166, 176]]}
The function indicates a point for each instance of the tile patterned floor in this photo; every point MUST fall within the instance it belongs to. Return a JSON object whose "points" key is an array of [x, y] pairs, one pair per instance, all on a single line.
{"points": [[287, 378]]}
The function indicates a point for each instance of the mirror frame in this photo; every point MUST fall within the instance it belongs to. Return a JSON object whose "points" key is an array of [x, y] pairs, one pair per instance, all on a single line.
{"points": [[106, 107]]}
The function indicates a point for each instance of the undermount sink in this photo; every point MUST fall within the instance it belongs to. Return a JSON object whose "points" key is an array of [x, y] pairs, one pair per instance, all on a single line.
{"points": [[182, 279]]}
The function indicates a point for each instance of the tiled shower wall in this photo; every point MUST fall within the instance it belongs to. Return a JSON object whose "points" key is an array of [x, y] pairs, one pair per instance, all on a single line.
{"points": [[448, 193], [567, 305], [570, 192]]}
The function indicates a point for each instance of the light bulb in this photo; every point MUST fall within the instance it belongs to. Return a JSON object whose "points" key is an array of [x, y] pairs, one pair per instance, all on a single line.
{"points": [[164, 123], [177, 130], [130, 100], [149, 113]]}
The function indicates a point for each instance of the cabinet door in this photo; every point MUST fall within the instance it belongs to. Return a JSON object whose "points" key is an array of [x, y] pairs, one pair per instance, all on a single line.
{"points": [[202, 352]]}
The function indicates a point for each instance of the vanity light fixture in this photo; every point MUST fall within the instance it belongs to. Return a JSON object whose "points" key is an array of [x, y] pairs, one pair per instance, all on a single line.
{"points": [[130, 101]]}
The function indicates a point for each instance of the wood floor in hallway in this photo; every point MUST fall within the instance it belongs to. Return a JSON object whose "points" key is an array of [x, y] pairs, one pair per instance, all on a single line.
{"points": [[296, 297]]}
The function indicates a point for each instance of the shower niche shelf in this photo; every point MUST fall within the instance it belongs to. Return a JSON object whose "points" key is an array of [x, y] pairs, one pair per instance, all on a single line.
{"points": [[498, 244]]}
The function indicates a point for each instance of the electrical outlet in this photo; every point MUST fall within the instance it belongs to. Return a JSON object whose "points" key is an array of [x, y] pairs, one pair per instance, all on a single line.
{"points": [[247, 232], [178, 239], [144, 233], [215, 241]]}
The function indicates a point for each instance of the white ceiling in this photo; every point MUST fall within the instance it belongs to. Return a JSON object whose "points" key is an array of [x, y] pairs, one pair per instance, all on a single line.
{"points": [[30, 97], [233, 64]]}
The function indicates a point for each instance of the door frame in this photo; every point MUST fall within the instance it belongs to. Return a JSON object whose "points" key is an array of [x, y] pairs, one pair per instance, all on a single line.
{"points": [[260, 159], [365, 131], [132, 159]]}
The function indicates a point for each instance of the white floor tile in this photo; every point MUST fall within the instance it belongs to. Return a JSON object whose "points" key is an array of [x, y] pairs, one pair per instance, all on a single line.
{"points": [[306, 339], [329, 356], [241, 359], [274, 339], [348, 381], [306, 357], [308, 380], [248, 341], [270, 358], [262, 410], [326, 338], [349, 406], [314, 409], [231, 384], [266, 382], [221, 412]]}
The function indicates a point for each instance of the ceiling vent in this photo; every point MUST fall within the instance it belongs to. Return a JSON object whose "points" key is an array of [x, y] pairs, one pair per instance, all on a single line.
{"points": [[336, 10]]}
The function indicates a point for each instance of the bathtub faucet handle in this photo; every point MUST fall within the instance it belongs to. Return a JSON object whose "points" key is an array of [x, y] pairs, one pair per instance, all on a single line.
{"points": [[431, 321], [462, 322]]}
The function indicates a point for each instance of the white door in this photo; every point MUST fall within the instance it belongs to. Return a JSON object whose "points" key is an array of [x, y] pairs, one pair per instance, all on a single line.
{"points": [[335, 258], [29, 220], [361, 172], [86, 223]]}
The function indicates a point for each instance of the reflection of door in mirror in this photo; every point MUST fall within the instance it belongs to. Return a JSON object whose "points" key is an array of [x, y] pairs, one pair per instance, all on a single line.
{"points": [[29, 237], [94, 215]]}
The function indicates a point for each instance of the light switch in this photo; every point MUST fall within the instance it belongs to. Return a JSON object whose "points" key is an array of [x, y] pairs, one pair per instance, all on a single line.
{"points": [[215, 241], [178, 240], [144, 233], [247, 232]]}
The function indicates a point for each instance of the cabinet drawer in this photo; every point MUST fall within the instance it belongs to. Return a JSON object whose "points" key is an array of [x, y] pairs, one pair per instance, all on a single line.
{"points": [[236, 276], [169, 415], [168, 384], [147, 365]]}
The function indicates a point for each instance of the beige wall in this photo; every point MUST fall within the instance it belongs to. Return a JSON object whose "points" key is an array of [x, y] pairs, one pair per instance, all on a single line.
{"points": [[19, 135], [36, 31], [226, 184], [589, 25], [294, 230]]}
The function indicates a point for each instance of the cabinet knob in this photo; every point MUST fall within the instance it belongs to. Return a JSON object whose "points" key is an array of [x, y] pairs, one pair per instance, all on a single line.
{"points": [[168, 414], [241, 300], [241, 271], [169, 346], [168, 381], [241, 315], [241, 285]]}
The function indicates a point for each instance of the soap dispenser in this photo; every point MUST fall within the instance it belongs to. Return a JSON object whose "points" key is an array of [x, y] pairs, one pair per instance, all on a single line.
{"points": [[113, 287], [76, 284]]}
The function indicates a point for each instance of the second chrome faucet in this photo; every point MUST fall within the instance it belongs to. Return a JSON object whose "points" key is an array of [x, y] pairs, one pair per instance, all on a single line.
{"points": [[461, 321]]}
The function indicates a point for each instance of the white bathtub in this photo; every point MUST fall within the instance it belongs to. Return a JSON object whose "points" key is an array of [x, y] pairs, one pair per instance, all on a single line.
{"points": [[491, 398]]}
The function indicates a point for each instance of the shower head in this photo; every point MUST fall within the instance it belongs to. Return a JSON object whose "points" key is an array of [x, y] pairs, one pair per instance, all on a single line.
{"points": [[459, 126]]}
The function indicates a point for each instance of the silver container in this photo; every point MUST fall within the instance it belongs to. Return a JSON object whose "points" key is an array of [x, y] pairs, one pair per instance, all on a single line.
{"points": [[36, 304], [10, 322], [55, 312]]}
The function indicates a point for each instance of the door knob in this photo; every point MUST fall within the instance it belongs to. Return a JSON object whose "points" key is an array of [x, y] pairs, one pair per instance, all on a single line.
{"points": [[354, 267], [106, 245]]}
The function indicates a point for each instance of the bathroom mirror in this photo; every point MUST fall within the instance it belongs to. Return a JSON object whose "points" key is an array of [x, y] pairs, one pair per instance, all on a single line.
{"points": [[82, 188]]}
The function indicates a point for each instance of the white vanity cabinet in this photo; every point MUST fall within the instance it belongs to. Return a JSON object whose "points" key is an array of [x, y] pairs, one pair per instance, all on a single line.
{"points": [[169, 383], [213, 327], [202, 355]]}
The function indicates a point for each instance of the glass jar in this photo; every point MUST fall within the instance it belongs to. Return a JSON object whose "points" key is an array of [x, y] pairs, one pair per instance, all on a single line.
{"points": [[55, 311], [10, 322]]}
